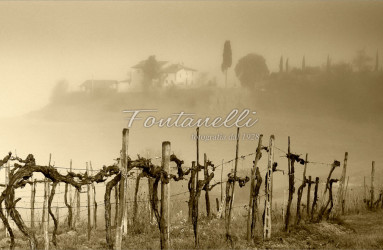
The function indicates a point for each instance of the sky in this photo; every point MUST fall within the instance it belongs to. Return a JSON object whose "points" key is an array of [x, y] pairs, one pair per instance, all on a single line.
{"points": [[44, 42]]}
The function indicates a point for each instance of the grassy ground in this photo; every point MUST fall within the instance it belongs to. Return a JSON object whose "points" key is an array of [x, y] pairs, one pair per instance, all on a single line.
{"points": [[359, 231]]}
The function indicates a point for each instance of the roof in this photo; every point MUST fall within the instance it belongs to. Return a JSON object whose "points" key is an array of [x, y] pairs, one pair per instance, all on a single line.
{"points": [[174, 68], [141, 64], [99, 83]]}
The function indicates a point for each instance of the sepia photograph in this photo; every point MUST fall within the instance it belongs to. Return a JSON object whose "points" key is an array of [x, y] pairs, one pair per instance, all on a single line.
{"points": [[191, 124]]}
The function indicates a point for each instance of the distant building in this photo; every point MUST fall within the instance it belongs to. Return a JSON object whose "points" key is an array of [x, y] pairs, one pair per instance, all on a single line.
{"points": [[170, 74], [177, 74]]}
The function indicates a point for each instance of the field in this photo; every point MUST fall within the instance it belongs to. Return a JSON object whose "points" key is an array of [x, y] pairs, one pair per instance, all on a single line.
{"points": [[212, 232], [356, 231], [309, 112]]}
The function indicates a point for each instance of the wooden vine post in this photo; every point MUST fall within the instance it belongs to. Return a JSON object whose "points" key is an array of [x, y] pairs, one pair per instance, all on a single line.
{"points": [[45, 179], [76, 211], [7, 171], [206, 176], [135, 204], [195, 210], [340, 196], [372, 199], [116, 202], [33, 195], [228, 234], [252, 186], [255, 201], [49, 191], [78, 203], [269, 191], [221, 182], [88, 201], [291, 185], [94, 202], [165, 198], [228, 198], [46, 215], [121, 210], [150, 193], [71, 220], [345, 196], [192, 190], [126, 205]]}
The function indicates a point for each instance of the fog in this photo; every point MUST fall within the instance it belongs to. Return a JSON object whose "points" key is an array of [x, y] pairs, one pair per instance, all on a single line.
{"points": [[43, 42], [46, 43]]}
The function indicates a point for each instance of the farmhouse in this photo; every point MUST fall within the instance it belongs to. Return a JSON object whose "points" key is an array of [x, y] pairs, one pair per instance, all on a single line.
{"points": [[177, 74], [169, 74]]}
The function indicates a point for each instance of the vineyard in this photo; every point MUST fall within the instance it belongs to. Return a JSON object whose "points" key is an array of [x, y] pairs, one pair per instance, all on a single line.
{"points": [[131, 206]]}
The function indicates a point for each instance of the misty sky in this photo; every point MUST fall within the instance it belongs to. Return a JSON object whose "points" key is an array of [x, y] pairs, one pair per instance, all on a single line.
{"points": [[43, 42]]}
